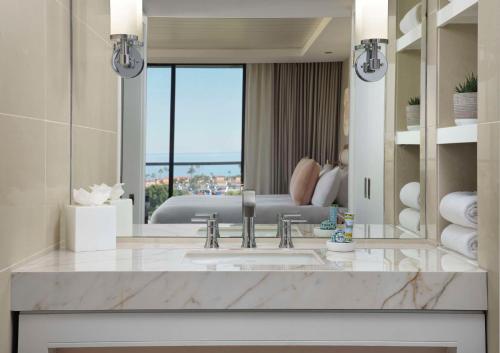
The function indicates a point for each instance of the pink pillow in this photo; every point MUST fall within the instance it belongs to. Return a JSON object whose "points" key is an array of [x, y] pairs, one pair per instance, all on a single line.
{"points": [[303, 181]]}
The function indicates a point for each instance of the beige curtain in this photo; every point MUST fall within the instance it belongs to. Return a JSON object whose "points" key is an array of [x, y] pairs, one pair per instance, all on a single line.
{"points": [[306, 117], [258, 125]]}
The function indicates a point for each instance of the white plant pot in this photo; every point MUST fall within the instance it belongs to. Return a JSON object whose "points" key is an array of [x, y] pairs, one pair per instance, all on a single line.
{"points": [[124, 212], [90, 228], [412, 115], [465, 106]]}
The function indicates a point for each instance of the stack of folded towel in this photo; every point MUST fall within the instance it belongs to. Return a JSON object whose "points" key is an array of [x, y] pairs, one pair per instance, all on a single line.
{"points": [[409, 217], [460, 208]]}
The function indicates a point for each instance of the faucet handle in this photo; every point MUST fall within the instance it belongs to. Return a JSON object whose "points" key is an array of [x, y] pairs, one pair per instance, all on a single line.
{"points": [[285, 230], [208, 215], [289, 216], [213, 234]]}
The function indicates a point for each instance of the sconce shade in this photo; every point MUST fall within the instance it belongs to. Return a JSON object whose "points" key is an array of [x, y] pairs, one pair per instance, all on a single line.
{"points": [[126, 17], [371, 19]]}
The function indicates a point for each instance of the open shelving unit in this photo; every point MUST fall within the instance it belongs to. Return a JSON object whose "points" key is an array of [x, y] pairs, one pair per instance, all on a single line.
{"points": [[408, 57], [411, 40], [458, 12], [456, 57], [457, 134], [408, 138]]}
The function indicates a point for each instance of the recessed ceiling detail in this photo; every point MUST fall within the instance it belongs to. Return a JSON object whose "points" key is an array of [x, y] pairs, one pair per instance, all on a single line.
{"points": [[231, 33]]}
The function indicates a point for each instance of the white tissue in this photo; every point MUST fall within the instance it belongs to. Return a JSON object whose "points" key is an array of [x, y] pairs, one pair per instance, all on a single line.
{"points": [[84, 198], [98, 195], [116, 192]]}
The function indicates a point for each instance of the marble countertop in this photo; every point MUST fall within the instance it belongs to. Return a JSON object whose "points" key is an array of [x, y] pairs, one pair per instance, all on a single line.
{"points": [[187, 230], [390, 275]]}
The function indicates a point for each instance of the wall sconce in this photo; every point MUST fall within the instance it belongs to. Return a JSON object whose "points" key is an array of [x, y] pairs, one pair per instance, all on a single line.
{"points": [[126, 34], [371, 21]]}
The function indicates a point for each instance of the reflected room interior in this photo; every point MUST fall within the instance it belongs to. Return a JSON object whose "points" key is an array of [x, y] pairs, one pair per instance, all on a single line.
{"points": [[264, 104]]}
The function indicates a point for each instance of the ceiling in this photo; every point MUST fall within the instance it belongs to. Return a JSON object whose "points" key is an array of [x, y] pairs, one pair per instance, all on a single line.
{"points": [[220, 31]]}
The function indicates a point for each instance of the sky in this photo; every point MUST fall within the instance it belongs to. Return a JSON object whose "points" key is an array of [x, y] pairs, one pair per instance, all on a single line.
{"points": [[208, 110]]}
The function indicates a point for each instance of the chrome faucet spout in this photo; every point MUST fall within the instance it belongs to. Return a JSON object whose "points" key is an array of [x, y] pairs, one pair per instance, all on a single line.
{"points": [[248, 215]]}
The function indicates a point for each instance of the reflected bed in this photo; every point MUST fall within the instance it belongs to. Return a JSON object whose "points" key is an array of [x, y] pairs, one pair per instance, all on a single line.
{"points": [[181, 209]]}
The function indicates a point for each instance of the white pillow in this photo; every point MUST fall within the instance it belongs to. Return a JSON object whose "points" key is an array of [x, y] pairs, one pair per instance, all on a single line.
{"points": [[326, 168], [327, 188], [342, 196]]}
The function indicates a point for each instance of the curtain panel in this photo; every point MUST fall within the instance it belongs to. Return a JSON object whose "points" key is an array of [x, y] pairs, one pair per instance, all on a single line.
{"points": [[258, 127], [306, 98]]}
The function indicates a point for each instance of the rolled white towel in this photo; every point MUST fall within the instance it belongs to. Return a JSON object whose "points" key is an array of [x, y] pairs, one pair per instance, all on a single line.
{"points": [[454, 263], [460, 239], [410, 195], [410, 219], [412, 19], [460, 208]]}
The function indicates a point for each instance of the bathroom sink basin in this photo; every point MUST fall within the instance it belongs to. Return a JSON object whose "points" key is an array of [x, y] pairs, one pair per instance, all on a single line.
{"points": [[252, 257]]}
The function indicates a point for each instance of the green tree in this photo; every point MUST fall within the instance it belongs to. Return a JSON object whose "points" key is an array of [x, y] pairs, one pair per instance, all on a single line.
{"points": [[157, 194]]}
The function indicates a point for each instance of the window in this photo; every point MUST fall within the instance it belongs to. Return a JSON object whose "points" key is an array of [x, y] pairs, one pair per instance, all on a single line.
{"points": [[194, 140]]}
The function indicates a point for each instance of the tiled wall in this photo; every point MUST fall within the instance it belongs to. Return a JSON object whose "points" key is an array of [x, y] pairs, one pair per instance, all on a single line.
{"points": [[95, 97], [38, 167], [34, 134], [488, 150]]}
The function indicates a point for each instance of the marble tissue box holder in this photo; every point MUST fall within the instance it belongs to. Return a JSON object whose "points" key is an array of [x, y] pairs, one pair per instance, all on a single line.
{"points": [[97, 217]]}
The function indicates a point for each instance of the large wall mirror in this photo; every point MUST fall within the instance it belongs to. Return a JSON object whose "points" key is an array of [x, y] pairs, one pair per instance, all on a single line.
{"points": [[265, 98]]}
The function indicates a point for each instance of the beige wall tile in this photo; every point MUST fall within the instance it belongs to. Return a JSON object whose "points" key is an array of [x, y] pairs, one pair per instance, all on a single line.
{"points": [[34, 153], [58, 163], [22, 188], [5, 324], [95, 84], [489, 159], [489, 214], [57, 90], [489, 52], [23, 78], [95, 14], [94, 157]]}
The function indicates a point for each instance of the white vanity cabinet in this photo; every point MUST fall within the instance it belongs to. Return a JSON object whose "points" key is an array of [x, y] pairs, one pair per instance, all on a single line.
{"points": [[449, 331], [418, 297]]}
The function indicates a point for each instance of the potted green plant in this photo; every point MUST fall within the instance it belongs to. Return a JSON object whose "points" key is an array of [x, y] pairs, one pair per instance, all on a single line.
{"points": [[465, 101], [413, 114]]}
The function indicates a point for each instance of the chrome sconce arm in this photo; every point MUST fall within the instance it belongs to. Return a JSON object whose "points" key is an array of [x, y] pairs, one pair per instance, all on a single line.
{"points": [[126, 60], [371, 65]]}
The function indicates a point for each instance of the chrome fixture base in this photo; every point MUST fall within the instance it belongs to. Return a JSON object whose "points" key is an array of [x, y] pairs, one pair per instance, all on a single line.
{"points": [[371, 65], [126, 60], [248, 240]]}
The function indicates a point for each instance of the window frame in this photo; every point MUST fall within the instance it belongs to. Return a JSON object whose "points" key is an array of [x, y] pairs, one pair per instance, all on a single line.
{"points": [[171, 162]]}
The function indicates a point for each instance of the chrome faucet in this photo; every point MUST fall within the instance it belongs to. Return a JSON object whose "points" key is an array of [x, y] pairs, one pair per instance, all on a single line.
{"points": [[248, 214], [285, 230], [213, 235]]}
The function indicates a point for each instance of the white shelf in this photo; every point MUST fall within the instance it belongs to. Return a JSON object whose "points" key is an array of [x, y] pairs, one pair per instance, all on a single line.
{"points": [[458, 11], [457, 134], [411, 40], [408, 138]]}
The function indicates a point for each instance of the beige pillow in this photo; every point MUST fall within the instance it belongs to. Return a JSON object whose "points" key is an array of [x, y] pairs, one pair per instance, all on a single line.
{"points": [[303, 181]]}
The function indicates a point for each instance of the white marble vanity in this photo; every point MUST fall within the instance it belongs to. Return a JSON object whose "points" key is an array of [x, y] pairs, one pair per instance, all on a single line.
{"points": [[176, 293]]}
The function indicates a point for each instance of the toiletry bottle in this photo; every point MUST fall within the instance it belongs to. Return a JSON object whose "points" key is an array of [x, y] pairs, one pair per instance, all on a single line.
{"points": [[333, 213], [349, 225]]}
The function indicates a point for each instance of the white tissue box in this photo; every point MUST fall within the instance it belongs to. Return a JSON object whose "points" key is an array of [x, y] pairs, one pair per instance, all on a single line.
{"points": [[90, 228], [124, 211]]}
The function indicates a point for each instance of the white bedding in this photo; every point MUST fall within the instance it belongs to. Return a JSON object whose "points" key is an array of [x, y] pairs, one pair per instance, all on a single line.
{"points": [[181, 209]]}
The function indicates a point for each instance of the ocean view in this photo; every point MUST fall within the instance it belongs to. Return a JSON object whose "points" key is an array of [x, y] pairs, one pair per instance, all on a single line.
{"points": [[153, 172]]}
